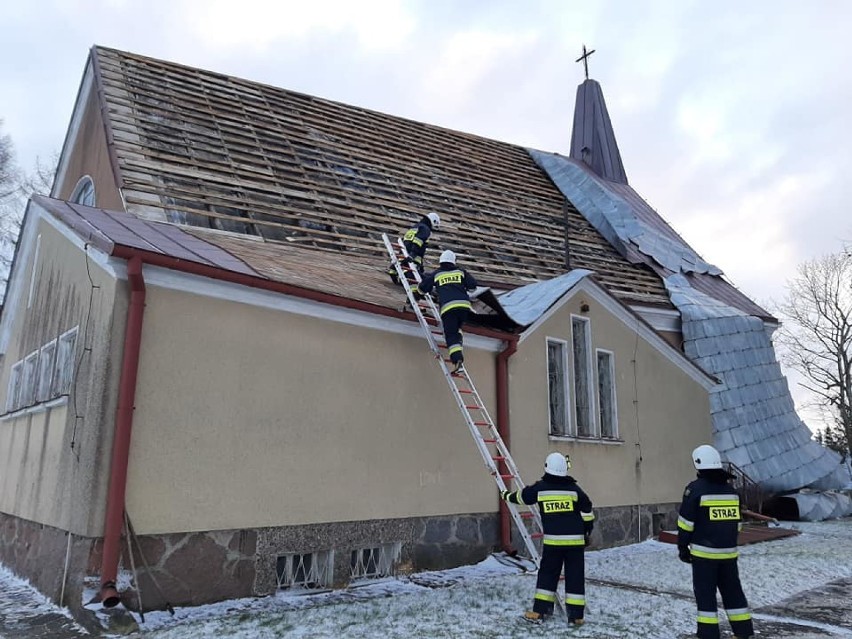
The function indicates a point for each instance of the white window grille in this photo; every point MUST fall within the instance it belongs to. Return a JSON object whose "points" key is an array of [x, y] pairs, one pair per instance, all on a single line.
{"points": [[557, 386], [606, 394], [13, 394], [374, 563], [28, 383], [84, 192], [311, 571], [46, 361], [583, 387], [65, 362]]}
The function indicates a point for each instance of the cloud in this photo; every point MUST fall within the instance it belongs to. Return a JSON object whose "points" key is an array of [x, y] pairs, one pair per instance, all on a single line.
{"points": [[257, 25]]}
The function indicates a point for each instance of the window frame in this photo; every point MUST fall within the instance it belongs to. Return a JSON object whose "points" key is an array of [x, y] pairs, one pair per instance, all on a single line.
{"points": [[84, 192], [566, 389], [591, 379], [13, 392], [44, 386], [29, 380], [613, 393], [57, 387]]}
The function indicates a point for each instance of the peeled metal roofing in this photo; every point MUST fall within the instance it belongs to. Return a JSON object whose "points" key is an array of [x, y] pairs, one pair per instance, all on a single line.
{"points": [[526, 304], [754, 419], [621, 216], [638, 232], [820, 506]]}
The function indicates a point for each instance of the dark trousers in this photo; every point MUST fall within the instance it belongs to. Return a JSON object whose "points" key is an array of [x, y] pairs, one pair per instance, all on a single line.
{"points": [[553, 559], [453, 321], [708, 575]]}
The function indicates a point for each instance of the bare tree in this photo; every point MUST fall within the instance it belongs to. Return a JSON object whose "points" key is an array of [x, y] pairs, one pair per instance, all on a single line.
{"points": [[10, 210], [816, 340], [15, 189]]}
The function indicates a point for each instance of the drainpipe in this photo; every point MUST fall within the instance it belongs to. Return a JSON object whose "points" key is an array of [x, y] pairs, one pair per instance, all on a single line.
{"points": [[503, 429], [121, 442]]}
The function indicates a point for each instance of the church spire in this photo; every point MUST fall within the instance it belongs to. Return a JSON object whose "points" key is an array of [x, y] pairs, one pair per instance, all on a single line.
{"points": [[593, 139]]}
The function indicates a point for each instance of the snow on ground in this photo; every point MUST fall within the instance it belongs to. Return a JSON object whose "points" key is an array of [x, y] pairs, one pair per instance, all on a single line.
{"points": [[21, 599], [638, 590], [486, 600]]}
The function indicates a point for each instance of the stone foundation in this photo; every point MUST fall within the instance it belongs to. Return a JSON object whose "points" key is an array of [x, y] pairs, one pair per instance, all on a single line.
{"points": [[38, 553], [186, 569]]}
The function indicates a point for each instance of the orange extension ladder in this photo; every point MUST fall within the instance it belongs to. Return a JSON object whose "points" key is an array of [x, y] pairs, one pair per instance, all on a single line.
{"points": [[488, 441]]}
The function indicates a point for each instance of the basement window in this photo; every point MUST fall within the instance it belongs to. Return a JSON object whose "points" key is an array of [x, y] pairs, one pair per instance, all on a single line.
{"points": [[374, 563], [311, 571]]}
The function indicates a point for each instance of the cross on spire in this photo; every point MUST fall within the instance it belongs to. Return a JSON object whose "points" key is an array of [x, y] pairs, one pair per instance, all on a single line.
{"points": [[585, 59]]}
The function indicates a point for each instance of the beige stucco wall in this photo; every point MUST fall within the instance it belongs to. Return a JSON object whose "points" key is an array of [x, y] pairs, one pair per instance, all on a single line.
{"points": [[89, 156], [249, 417], [41, 477], [670, 418]]}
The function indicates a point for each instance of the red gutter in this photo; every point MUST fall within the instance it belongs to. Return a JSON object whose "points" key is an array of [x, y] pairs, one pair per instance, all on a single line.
{"points": [[256, 281], [123, 425], [503, 429]]}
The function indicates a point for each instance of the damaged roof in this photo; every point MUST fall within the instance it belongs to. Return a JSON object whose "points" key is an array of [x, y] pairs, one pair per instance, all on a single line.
{"points": [[217, 152]]}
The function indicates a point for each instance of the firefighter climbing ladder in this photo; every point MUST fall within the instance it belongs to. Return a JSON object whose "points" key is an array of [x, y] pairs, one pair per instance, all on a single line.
{"points": [[488, 440]]}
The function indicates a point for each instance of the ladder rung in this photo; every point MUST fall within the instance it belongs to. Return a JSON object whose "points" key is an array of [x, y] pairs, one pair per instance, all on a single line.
{"points": [[465, 390], [536, 535], [474, 407], [507, 476], [490, 441], [499, 458], [481, 424], [526, 515]]}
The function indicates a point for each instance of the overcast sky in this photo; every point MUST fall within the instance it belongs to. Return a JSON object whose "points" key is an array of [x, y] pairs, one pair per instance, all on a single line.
{"points": [[733, 118]]}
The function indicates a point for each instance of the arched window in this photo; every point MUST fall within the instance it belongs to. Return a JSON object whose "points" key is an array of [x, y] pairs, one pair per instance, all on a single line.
{"points": [[84, 192]]}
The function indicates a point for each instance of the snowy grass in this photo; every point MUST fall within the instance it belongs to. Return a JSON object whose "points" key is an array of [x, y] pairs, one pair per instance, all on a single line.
{"points": [[485, 601], [640, 590]]}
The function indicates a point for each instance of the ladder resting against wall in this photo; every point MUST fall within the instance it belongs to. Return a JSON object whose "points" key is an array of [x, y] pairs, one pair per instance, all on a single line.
{"points": [[488, 441]]}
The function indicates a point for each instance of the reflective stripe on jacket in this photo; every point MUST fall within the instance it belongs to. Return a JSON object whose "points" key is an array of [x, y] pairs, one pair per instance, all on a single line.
{"points": [[566, 511], [451, 284], [709, 517]]}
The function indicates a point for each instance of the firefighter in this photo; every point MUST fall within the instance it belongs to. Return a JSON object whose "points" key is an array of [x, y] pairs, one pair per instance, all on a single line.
{"points": [[567, 519], [415, 241], [452, 284], [708, 525]]}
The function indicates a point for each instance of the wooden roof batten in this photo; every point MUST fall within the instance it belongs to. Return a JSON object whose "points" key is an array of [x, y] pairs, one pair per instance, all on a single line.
{"points": [[230, 154]]}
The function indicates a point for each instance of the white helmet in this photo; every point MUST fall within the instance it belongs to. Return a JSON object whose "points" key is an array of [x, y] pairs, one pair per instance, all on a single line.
{"points": [[448, 256], [705, 457], [435, 219], [557, 464]]}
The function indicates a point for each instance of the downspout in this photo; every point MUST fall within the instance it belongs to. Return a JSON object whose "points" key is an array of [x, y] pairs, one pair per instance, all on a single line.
{"points": [[121, 443], [503, 430]]}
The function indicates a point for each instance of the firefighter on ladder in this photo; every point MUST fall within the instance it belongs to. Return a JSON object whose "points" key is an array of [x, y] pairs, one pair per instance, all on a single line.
{"points": [[452, 285], [567, 519], [708, 527], [415, 240]]}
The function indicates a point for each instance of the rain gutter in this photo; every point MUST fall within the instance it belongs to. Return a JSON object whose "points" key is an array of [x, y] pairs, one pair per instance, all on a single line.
{"points": [[503, 430], [114, 519]]}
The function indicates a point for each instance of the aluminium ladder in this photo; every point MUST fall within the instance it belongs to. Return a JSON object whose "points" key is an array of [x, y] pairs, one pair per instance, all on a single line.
{"points": [[488, 440]]}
